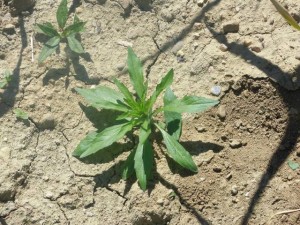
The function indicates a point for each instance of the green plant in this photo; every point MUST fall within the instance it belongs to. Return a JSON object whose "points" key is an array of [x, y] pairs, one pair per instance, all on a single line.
{"points": [[7, 78], [20, 114], [63, 33], [138, 113], [285, 14]]}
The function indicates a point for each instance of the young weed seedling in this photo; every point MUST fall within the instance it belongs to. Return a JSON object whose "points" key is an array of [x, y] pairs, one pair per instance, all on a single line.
{"points": [[138, 113], [285, 14], [63, 33], [7, 78]]}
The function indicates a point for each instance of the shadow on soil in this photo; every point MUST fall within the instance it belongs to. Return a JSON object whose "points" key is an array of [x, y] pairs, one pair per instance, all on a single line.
{"points": [[12, 89], [2, 221], [290, 98]]}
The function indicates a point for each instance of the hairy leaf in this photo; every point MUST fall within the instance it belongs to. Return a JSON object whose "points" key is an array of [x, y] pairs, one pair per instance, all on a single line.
{"points": [[94, 142], [128, 168], [73, 29], [135, 70], [165, 82], [104, 97], [62, 14], [177, 152], [49, 48], [190, 104], [47, 29], [143, 163], [285, 14], [74, 44], [173, 119]]}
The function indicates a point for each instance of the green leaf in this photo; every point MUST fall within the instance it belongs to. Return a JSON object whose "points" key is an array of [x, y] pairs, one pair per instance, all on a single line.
{"points": [[104, 97], [293, 165], [128, 95], [73, 29], [128, 168], [48, 29], [285, 14], [190, 104], [20, 114], [173, 119], [94, 142], [76, 19], [145, 131], [74, 44], [165, 82], [177, 152], [143, 163], [7, 78], [62, 14], [49, 48], [135, 70]]}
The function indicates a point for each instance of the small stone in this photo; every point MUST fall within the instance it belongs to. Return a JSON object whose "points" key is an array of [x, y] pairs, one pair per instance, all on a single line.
{"points": [[256, 47], [217, 169], [229, 176], [247, 42], [234, 190], [235, 200], [124, 43], [49, 195], [231, 27], [79, 10], [216, 90], [9, 29], [120, 66], [207, 156], [235, 143], [221, 112], [200, 3], [223, 48], [160, 202], [167, 15], [89, 214], [47, 122], [201, 129], [236, 86]]}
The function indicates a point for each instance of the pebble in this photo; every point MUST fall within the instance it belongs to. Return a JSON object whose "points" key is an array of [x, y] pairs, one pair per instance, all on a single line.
{"points": [[124, 43], [236, 86], [229, 176], [47, 122], [234, 143], [201, 129], [223, 48], [216, 90], [167, 16], [217, 169], [9, 29], [256, 47], [200, 3], [207, 156], [234, 190], [231, 27], [221, 112], [160, 202]]}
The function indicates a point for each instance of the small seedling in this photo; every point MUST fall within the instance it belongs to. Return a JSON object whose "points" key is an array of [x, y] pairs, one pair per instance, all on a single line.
{"points": [[138, 113], [285, 14], [7, 78], [63, 33], [20, 114]]}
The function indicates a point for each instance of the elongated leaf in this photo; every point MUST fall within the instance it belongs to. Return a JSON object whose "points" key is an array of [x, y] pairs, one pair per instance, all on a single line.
{"points": [[73, 29], [94, 142], [128, 168], [128, 95], [49, 48], [135, 70], [104, 97], [165, 82], [285, 14], [145, 131], [143, 163], [173, 119], [62, 14], [190, 104], [48, 29], [177, 152], [74, 44], [76, 19]]}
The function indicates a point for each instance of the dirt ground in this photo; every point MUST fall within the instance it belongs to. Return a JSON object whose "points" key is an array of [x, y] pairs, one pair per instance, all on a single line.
{"points": [[242, 146]]}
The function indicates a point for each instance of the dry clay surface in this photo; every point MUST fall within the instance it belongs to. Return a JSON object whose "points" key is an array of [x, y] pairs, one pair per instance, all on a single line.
{"points": [[241, 146]]}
